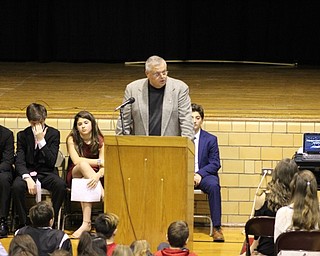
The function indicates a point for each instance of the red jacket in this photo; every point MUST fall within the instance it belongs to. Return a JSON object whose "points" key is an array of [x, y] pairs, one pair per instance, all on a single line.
{"points": [[174, 252]]}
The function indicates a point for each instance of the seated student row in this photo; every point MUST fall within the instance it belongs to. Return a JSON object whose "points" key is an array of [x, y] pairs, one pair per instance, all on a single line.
{"points": [[41, 239], [36, 154], [291, 197]]}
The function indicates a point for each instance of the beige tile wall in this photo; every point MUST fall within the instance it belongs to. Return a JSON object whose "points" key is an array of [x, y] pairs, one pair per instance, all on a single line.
{"points": [[245, 148]]}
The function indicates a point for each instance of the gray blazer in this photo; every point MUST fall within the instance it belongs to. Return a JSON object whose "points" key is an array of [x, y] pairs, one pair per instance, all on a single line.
{"points": [[176, 111]]}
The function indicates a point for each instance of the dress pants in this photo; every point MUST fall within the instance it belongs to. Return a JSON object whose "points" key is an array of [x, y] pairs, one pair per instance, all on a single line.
{"points": [[49, 181], [5, 193], [211, 186]]}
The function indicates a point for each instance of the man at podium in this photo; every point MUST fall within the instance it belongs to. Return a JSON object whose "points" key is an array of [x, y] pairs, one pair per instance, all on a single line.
{"points": [[157, 105], [207, 165]]}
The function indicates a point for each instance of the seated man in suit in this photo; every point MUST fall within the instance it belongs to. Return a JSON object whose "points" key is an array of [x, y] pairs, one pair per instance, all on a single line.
{"points": [[207, 165], [6, 163], [37, 150]]}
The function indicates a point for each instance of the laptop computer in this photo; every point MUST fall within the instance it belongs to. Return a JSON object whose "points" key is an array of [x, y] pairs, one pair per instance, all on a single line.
{"points": [[311, 145]]}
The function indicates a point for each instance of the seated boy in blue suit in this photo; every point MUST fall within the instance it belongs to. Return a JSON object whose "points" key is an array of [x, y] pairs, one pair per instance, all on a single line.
{"points": [[207, 165]]}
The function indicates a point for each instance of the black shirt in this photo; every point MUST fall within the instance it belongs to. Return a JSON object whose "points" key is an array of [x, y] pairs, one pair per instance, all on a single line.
{"points": [[266, 244], [155, 109], [47, 239]]}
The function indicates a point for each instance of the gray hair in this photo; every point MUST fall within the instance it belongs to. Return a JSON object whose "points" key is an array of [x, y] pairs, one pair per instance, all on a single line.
{"points": [[152, 62]]}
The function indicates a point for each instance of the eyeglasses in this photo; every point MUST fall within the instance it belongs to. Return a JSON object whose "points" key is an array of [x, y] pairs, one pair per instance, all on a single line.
{"points": [[158, 74]]}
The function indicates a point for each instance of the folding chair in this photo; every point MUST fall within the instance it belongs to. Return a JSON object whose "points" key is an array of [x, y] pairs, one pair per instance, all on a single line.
{"points": [[259, 226], [298, 240], [60, 164], [198, 192], [73, 209]]}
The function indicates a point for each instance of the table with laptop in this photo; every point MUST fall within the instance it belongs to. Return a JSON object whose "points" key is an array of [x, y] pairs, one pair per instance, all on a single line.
{"points": [[308, 156]]}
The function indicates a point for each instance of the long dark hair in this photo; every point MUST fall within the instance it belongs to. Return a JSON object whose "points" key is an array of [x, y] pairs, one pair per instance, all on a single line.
{"points": [[278, 189], [85, 247], [23, 245], [305, 201], [95, 133]]}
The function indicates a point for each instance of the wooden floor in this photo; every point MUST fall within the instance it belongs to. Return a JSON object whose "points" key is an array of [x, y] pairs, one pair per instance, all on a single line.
{"points": [[225, 90], [202, 244]]}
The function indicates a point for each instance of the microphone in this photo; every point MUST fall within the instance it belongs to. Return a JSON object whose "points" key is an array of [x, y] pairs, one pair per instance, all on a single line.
{"points": [[128, 101]]}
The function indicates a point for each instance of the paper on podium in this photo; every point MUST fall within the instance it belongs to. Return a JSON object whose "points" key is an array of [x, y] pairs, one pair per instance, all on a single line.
{"points": [[81, 193]]}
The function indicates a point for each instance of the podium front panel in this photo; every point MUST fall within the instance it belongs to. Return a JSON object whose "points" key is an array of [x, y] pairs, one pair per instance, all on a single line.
{"points": [[149, 184]]}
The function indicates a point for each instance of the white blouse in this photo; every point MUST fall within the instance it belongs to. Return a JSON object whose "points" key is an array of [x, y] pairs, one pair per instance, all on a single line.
{"points": [[283, 220]]}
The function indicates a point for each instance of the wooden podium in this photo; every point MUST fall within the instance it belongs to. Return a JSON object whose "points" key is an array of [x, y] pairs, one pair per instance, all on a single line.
{"points": [[149, 184]]}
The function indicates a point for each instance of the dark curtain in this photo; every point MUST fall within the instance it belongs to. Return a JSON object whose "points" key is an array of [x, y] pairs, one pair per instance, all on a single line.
{"points": [[116, 31]]}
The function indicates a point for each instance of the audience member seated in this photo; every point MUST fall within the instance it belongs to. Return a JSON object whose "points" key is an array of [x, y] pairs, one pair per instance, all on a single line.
{"points": [[277, 194], [122, 250], [23, 245], [6, 177], [178, 236], [99, 244], [106, 226], [90, 245], [303, 211], [141, 248], [85, 147], [46, 238], [36, 156]]}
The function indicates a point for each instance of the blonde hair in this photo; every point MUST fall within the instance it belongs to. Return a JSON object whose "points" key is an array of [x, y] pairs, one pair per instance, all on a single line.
{"points": [[122, 250], [305, 201], [140, 248]]}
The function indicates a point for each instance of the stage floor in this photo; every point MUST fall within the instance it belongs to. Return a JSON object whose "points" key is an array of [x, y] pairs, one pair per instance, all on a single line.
{"points": [[226, 91]]}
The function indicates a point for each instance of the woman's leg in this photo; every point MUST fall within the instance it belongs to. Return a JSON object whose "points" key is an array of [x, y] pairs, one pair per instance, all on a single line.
{"points": [[83, 170], [86, 219]]}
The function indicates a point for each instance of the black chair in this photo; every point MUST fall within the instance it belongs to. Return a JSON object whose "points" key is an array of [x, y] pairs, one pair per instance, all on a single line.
{"points": [[45, 194], [298, 240], [259, 226], [72, 210]]}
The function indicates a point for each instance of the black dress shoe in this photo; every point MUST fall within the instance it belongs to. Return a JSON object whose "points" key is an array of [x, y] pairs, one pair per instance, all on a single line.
{"points": [[3, 228]]}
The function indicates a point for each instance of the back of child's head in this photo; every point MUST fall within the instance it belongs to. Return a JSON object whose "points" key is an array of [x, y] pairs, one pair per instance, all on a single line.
{"points": [[284, 171], [23, 245], [85, 246], [106, 224], [122, 250], [178, 234], [99, 244], [140, 248], [41, 214], [305, 201]]}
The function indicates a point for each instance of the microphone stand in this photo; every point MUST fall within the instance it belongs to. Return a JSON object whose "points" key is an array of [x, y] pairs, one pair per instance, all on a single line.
{"points": [[122, 124]]}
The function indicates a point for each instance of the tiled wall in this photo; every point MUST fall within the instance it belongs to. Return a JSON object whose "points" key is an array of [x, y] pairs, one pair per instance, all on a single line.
{"points": [[245, 148]]}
